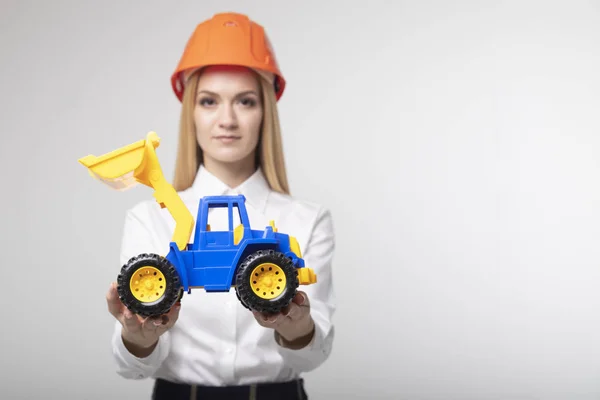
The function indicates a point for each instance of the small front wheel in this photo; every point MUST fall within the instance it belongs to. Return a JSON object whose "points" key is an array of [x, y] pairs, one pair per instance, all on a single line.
{"points": [[149, 285], [266, 281]]}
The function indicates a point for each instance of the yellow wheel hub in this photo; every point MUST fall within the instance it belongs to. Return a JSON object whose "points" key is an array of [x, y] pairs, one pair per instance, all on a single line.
{"points": [[147, 284], [268, 281]]}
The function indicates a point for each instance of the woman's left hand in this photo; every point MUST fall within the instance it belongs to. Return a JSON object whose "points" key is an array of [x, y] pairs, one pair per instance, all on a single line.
{"points": [[292, 323]]}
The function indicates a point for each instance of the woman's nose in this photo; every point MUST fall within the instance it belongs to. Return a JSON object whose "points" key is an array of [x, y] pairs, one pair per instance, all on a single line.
{"points": [[227, 119]]}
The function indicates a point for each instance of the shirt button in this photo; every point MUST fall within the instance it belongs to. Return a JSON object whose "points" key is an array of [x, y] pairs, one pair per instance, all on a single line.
{"points": [[228, 351]]}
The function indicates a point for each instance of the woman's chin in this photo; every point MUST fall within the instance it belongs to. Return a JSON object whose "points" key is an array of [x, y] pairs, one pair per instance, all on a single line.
{"points": [[229, 157]]}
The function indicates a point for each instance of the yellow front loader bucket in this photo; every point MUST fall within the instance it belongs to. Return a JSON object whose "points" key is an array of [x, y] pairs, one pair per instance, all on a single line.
{"points": [[120, 169], [136, 163]]}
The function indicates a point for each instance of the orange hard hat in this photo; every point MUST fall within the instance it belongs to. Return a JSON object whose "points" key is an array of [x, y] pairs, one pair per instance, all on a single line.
{"points": [[228, 39]]}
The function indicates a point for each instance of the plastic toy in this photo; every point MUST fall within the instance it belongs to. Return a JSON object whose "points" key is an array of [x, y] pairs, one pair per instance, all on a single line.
{"points": [[265, 266]]}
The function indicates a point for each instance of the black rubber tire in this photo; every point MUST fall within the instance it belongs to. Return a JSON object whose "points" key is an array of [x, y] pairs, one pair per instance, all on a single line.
{"points": [[172, 292], [243, 278], [237, 293]]}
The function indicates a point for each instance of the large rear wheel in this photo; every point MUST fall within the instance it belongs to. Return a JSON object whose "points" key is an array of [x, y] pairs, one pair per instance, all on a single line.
{"points": [[266, 281], [149, 285]]}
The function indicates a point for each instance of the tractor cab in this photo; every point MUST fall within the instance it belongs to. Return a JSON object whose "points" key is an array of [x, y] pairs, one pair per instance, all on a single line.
{"points": [[222, 222]]}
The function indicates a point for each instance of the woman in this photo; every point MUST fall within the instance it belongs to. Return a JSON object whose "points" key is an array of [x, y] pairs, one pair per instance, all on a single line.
{"points": [[210, 345]]}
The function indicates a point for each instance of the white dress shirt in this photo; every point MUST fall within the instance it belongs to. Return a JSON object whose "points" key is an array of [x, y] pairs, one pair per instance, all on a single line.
{"points": [[216, 341]]}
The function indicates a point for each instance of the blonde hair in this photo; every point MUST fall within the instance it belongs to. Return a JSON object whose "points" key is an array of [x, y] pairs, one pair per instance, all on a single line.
{"points": [[269, 154]]}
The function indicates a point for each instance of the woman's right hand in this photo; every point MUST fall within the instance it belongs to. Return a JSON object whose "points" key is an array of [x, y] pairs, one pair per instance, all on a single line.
{"points": [[140, 335]]}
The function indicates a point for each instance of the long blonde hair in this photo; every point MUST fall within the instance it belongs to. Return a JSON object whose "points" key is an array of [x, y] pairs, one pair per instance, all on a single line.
{"points": [[269, 154]]}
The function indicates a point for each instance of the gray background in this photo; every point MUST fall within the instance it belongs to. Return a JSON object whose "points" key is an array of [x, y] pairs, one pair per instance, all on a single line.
{"points": [[457, 144]]}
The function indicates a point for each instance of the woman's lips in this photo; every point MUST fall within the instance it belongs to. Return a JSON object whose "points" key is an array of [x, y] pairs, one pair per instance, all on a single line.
{"points": [[226, 138]]}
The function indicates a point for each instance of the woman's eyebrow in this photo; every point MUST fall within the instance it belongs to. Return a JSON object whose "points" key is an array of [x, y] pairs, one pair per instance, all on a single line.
{"points": [[247, 92], [207, 92], [237, 95]]}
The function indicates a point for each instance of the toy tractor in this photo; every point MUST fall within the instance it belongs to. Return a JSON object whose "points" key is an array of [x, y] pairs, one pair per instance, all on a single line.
{"points": [[265, 266]]}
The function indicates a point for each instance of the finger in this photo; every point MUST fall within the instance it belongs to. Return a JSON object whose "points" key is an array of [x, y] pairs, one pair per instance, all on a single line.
{"points": [[296, 312], [286, 310], [174, 310], [173, 314], [301, 299], [130, 321], [268, 320], [113, 301], [168, 320], [258, 319], [151, 323]]}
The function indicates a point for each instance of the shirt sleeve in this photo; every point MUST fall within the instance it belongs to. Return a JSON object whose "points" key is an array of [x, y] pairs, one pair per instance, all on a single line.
{"points": [[137, 239], [132, 367], [319, 256]]}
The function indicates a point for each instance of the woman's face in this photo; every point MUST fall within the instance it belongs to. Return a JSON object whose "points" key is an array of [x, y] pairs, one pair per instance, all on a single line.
{"points": [[228, 114]]}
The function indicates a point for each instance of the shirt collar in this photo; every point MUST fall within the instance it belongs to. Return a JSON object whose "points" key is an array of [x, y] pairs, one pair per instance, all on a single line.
{"points": [[256, 189]]}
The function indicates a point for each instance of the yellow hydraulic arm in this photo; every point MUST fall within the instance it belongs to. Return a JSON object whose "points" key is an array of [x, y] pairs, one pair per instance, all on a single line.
{"points": [[136, 163]]}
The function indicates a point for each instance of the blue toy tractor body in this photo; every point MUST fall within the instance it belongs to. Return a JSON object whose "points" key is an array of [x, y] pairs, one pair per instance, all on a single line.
{"points": [[211, 260]]}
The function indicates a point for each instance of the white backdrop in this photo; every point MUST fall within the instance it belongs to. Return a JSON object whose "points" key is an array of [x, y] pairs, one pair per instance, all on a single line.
{"points": [[456, 143]]}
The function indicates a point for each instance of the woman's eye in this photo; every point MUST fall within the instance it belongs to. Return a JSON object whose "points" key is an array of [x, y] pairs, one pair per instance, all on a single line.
{"points": [[248, 102], [206, 102]]}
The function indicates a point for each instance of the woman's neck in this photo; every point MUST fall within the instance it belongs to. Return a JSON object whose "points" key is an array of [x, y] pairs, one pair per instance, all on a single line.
{"points": [[232, 174]]}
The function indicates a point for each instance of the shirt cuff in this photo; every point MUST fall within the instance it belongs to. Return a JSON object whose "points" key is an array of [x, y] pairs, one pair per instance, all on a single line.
{"points": [[132, 367], [310, 356]]}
